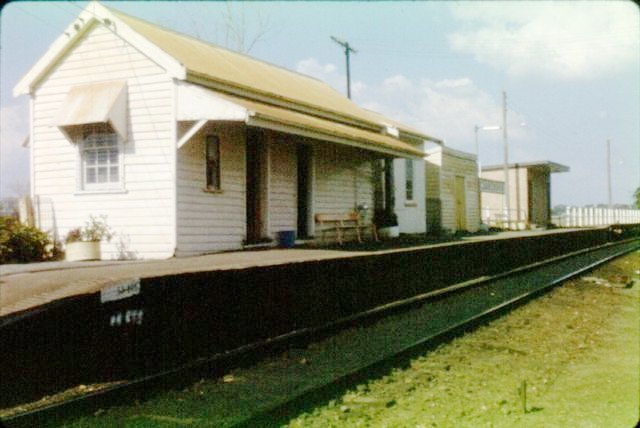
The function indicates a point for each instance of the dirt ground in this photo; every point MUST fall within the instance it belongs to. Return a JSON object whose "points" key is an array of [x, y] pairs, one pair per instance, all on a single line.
{"points": [[577, 350]]}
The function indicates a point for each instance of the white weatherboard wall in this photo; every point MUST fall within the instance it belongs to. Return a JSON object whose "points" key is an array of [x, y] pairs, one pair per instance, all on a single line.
{"points": [[493, 204], [211, 221], [443, 165], [142, 214], [343, 179], [411, 213], [282, 187]]}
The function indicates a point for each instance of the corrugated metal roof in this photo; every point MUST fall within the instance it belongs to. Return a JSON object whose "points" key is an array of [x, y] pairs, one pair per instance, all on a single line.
{"points": [[248, 77], [326, 128], [552, 166]]}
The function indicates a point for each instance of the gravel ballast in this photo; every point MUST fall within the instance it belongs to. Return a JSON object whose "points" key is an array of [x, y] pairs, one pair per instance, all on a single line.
{"points": [[576, 348]]}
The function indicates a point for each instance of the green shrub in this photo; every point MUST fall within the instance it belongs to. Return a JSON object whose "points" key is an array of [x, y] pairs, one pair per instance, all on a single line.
{"points": [[23, 244]]}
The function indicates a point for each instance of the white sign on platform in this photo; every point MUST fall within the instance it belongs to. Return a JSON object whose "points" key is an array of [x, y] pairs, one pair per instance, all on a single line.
{"points": [[121, 290]]}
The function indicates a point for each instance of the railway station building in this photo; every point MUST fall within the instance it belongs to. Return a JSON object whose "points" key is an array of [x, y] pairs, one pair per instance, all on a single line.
{"points": [[188, 148], [529, 195]]}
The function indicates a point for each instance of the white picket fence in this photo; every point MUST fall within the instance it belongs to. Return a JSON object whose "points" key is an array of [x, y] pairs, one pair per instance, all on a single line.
{"points": [[589, 216]]}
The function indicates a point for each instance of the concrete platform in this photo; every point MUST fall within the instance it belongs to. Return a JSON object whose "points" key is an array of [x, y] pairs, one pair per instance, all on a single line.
{"points": [[27, 286]]}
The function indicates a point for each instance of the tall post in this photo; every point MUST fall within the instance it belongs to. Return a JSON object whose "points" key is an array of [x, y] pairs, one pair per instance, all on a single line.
{"points": [[347, 50], [389, 197], [609, 174], [506, 159], [476, 129]]}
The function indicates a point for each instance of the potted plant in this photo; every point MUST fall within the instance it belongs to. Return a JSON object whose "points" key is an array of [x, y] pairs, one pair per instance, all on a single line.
{"points": [[84, 243], [386, 222]]}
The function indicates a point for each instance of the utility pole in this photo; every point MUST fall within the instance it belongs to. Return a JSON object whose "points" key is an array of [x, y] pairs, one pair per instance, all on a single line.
{"points": [[506, 159], [347, 50], [609, 173]]}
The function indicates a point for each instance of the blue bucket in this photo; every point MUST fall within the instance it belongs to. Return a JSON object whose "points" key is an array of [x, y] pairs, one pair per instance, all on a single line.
{"points": [[286, 238]]}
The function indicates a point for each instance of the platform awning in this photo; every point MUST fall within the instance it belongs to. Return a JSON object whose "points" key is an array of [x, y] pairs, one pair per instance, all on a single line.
{"points": [[198, 104], [551, 167], [306, 125], [104, 102]]}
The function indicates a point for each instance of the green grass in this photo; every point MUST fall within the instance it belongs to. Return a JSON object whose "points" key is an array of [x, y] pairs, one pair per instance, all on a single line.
{"points": [[577, 349]]}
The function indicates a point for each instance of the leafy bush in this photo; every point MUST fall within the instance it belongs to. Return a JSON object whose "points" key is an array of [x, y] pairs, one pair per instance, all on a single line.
{"points": [[74, 235], [23, 244], [95, 230]]}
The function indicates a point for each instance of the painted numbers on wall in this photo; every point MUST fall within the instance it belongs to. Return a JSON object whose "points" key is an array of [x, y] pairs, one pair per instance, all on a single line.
{"points": [[130, 317]]}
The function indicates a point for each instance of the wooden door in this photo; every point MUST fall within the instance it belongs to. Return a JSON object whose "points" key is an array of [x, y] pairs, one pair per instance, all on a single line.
{"points": [[254, 149], [304, 183], [461, 207]]}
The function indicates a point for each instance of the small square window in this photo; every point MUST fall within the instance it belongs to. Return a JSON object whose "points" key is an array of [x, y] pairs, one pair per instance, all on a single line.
{"points": [[99, 158]]}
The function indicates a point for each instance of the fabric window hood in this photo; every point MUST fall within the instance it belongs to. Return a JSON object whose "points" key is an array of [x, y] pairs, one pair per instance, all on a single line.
{"points": [[104, 102]]}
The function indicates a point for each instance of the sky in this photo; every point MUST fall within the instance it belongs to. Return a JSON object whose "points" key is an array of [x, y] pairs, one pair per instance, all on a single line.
{"points": [[570, 69]]}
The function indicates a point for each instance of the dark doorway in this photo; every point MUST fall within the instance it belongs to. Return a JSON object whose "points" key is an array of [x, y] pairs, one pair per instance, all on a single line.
{"points": [[254, 184], [304, 181]]}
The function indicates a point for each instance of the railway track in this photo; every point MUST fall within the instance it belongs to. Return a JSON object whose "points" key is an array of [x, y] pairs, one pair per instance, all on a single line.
{"points": [[540, 277]]}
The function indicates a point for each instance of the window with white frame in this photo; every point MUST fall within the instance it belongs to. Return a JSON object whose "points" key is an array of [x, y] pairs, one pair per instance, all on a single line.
{"points": [[100, 158], [408, 170]]}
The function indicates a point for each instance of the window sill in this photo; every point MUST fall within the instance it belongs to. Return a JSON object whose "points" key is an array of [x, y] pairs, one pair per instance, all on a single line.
{"points": [[410, 204], [100, 191], [213, 191]]}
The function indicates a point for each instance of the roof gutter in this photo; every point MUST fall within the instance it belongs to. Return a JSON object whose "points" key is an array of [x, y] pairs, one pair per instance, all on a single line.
{"points": [[262, 121]]}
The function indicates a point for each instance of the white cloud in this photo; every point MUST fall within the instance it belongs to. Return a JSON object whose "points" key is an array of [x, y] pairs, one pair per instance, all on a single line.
{"points": [[14, 159], [447, 109], [328, 73], [329, 68], [554, 39], [396, 82]]}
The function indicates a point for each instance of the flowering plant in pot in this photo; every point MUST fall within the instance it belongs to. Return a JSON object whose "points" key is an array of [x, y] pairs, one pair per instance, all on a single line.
{"points": [[386, 222], [84, 243]]}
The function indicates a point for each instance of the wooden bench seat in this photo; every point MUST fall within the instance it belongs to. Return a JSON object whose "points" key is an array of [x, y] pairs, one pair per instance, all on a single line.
{"points": [[343, 222]]}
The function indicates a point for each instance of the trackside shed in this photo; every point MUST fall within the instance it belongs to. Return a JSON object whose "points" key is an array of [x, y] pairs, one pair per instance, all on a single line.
{"points": [[452, 191]]}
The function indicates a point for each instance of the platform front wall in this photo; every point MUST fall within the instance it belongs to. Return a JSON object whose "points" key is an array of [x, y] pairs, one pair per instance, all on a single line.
{"points": [[185, 316]]}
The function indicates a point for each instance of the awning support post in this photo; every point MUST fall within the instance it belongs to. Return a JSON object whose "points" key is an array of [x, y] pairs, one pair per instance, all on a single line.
{"points": [[389, 199]]}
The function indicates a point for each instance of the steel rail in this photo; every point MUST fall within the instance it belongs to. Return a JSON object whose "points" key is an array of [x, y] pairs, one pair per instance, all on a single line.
{"points": [[283, 411], [181, 375]]}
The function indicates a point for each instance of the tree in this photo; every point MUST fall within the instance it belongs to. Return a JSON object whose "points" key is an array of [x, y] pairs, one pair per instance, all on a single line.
{"points": [[636, 198], [240, 33]]}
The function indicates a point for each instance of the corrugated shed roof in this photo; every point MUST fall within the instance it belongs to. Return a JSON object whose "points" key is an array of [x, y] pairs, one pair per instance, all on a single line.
{"points": [[247, 76], [552, 166]]}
